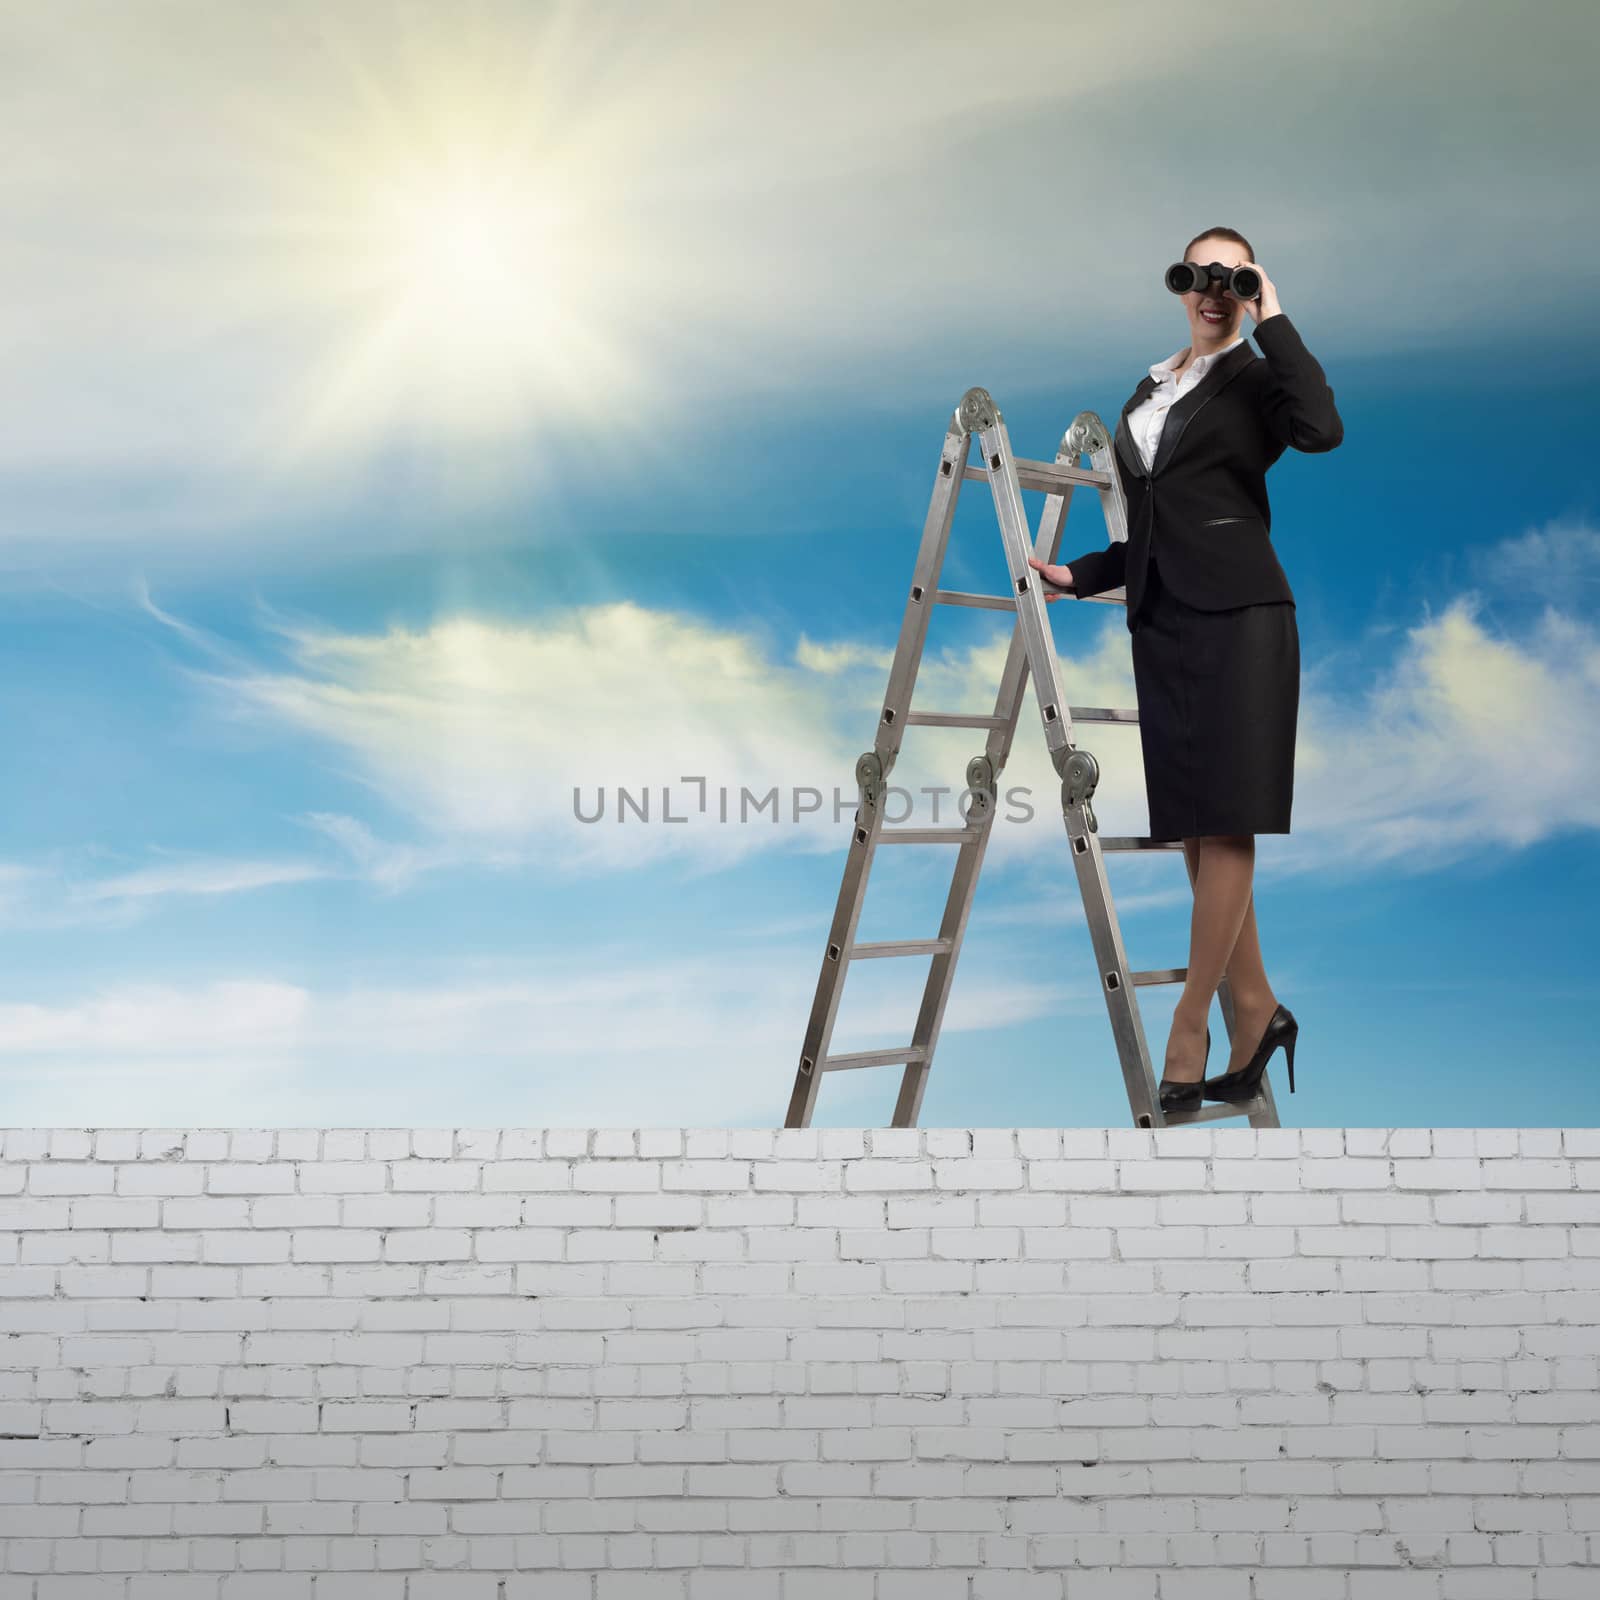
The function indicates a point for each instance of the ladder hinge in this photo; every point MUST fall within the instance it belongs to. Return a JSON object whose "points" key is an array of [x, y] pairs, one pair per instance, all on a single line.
{"points": [[1086, 436], [977, 412], [981, 776], [871, 771], [1080, 773]]}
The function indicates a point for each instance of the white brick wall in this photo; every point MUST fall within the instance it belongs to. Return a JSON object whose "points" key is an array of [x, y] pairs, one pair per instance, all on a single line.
{"points": [[826, 1364]]}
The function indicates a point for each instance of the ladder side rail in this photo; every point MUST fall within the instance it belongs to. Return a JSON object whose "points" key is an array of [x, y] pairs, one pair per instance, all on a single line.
{"points": [[980, 411], [830, 981], [1115, 974], [886, 740], [1111, 957], [941, 979], [924, 585], [1089, 435], [1014, 678], [983, 777]]}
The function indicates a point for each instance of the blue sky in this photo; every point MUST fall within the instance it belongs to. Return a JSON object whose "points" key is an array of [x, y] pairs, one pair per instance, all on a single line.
{"points": [[409, 423]]}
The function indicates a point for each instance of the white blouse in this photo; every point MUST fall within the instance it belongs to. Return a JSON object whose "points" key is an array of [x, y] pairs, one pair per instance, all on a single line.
{"points": [[1146, 421]]}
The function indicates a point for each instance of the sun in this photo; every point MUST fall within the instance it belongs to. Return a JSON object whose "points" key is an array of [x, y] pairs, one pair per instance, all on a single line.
{"points": [[475, 264], [462, 312], [447, 265]]}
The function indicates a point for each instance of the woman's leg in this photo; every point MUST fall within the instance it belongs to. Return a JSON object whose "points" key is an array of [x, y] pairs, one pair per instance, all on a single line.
{"points": [[1253, 999], [1221, 870]]}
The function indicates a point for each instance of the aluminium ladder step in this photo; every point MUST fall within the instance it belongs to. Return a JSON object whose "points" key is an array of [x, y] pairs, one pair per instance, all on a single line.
{"points": [[954, 719], [897, 947], [1054, 477], [982, 719], [947, 835], [1005, 602], [874, 1058]]}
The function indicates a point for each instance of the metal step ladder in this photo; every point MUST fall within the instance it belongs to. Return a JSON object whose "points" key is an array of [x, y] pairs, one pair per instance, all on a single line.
{"points": [[1032, 651]]}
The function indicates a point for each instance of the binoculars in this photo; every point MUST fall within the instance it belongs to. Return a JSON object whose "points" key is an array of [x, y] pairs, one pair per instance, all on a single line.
{"points": [[1188, 277]]}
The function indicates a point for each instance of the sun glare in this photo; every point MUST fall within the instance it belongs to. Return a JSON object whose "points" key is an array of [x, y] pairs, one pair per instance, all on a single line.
{"points": [[465, 312], [468, 252]]}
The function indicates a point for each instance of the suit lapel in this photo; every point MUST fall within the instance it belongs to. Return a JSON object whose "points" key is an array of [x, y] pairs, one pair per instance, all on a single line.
{"points": [[1124, 436], [1217, 378]]}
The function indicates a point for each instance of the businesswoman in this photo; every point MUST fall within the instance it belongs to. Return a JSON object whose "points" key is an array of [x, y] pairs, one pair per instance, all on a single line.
{"points": [[1216, 651]]}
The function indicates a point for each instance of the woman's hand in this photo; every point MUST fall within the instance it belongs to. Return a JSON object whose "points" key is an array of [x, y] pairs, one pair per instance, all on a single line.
{"points": [[1266, 305], [1059, 575]]}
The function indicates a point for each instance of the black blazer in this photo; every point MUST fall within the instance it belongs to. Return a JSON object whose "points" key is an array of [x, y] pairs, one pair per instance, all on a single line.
{"points": [[1203, 503]]}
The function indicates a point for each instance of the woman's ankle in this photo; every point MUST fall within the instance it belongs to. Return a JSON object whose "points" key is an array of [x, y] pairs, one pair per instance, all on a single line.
{"points": [[1258, 1003]]}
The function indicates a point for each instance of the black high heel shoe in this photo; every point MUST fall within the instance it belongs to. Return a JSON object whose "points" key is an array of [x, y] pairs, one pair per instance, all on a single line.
{"points": [[1245, 1084], [1176, 1095]]}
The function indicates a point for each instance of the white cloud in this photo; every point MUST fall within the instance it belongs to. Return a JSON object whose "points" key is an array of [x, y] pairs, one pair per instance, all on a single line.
{"points": [[1472, 739], [705, 1041], [479, 730], [133, 1022], [841, 657]]}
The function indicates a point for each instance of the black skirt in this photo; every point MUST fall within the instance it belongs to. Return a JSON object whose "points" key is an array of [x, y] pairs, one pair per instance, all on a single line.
{"points": [[1219, 698]]}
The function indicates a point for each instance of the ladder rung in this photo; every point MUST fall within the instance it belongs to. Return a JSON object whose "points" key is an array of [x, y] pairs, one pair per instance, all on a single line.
{"points": [[1102, 714], [929, 835], [954, 719], [899, 947], [1004, 602], [1159, 975], [1114, 841], [959, 597], [1213, 1110], [873, 1058], [1052, 476]]}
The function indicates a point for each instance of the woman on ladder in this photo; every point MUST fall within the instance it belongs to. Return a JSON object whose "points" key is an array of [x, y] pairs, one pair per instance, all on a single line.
{"points": [[1216, 650]]}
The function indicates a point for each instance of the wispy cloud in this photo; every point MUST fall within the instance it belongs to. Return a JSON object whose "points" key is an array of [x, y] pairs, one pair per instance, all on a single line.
{"points": [[391, 867], [1558, 563], [196, 877], [136, 1021], [672, 1038], [62, 892], [59, 891]]}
